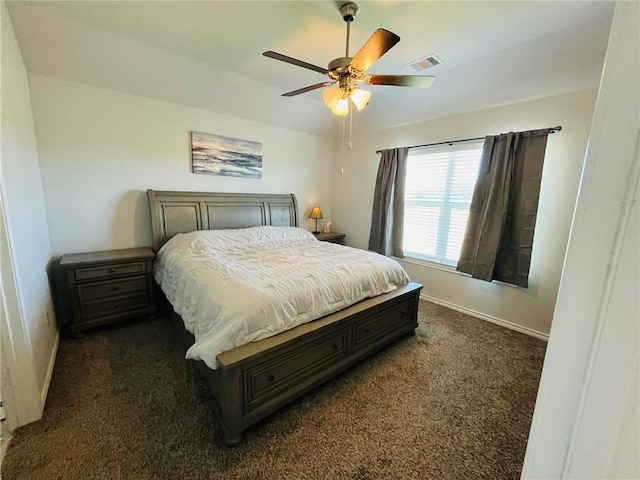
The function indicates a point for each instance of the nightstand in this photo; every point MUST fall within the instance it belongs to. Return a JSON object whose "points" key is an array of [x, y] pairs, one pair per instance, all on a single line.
{"points": [[331, 237], [99, 288]]}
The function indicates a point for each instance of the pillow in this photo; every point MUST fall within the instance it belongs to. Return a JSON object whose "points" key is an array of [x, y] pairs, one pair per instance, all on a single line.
{"points": [[221, 239]]}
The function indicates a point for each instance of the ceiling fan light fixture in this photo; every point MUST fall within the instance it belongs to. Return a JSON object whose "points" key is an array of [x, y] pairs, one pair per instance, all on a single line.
{"points": [[336, 100], [360, 98]]}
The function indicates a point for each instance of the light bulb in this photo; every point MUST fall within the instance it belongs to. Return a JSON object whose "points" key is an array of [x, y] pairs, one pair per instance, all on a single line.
{"points": [[360, 98]]}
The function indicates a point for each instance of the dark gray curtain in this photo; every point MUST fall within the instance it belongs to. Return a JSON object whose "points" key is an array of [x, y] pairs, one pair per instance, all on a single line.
{"points": [[499, 235], [387, 217]]}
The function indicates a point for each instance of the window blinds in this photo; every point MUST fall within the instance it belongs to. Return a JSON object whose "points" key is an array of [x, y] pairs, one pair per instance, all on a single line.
{"points": [[439, 186]]}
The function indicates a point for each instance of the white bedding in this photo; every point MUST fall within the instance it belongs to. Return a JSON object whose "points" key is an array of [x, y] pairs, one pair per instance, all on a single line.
{"points": [[232, 287]]}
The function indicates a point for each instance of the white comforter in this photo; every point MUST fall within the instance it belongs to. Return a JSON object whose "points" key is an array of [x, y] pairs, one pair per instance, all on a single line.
{"points": [[232, 287]]}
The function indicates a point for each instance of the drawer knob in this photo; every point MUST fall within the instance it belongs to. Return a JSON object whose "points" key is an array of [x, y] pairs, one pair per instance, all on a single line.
{"points": [[335, 346], [117, 306], [114, 288], [367, 331], [112, 270], [271, 378]]}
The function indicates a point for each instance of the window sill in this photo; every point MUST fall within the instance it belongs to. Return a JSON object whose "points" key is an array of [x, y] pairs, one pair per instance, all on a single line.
{"points": [[426, 263], [446, 268]]}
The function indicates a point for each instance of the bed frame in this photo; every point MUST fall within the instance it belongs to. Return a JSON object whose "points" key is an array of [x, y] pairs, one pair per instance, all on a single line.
{"points": [[256, 379]]}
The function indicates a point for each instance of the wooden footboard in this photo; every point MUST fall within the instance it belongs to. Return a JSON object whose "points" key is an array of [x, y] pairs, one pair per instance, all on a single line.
{"points": [[259, 378]]}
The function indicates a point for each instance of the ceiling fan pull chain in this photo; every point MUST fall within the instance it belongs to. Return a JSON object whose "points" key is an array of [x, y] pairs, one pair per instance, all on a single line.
{"points": [[350, 125], [342, 149]]}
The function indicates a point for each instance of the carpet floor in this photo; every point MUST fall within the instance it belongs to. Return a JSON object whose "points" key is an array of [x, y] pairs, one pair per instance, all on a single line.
{"points": [[454, 401]]}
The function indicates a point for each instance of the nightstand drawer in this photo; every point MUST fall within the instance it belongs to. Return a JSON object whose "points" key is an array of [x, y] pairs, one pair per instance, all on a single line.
{"points": [[108, 271], [333, 237], [91, 310], [112, 288], [339, 241]]}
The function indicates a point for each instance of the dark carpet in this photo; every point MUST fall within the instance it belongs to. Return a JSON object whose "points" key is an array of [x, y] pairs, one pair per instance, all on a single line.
{"points": [[453, 402]]}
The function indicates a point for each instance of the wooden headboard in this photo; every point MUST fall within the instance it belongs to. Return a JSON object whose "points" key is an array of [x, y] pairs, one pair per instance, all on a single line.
{"points": [[182, 212]]}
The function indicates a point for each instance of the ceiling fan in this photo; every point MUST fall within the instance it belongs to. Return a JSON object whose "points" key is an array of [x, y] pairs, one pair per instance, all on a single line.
{"points": [[348, 72]]}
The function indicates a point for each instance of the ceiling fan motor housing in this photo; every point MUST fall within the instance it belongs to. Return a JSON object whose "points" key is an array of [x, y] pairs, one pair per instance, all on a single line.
{"points": [[348, 11], [340, 65]]}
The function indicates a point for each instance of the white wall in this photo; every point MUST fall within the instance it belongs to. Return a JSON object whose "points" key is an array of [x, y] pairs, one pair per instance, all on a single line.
{"points": [[585, 424], [101, 149], [25, 241], [529, 309]]}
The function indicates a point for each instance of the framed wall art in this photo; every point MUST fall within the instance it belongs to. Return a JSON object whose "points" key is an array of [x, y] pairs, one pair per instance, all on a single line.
{"points": [[219, 155]]}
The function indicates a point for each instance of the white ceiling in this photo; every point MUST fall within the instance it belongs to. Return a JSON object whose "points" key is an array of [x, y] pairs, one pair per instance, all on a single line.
{"points": [[208, 54]]}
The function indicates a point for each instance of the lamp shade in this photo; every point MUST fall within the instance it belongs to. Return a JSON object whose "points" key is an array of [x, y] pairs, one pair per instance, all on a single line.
{"points": [[331, 96], [360, 98], [342, 107], [316, 213]]}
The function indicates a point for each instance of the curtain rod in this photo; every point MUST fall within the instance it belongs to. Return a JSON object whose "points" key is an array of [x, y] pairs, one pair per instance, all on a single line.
{"points": [[451, 142]]}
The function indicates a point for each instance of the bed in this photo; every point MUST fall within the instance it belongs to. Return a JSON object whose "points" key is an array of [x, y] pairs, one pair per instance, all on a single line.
{"points": [[255, 379]]}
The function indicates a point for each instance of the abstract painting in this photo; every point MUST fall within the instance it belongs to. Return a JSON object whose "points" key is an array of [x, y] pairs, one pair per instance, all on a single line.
{"points": [[218, 155]]}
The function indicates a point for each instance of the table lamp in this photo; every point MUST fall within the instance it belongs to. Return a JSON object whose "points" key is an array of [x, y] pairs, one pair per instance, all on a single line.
{"points": [[316, 214]]}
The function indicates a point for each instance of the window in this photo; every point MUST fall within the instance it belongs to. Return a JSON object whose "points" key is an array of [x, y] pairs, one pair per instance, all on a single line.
{"points": [[439, 187]]}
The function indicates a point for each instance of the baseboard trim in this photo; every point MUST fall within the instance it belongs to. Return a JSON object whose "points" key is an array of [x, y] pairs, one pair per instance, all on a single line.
{"points": [[487, 318], [47, 380]]}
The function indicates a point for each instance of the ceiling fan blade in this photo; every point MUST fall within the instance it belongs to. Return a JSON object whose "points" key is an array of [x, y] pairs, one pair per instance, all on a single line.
{"points": [[420, 81], [307, 89], [378, 44], [294, 61]]}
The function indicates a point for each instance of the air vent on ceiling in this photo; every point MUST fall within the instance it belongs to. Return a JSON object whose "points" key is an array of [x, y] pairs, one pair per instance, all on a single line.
{"points": [[425, 62]]}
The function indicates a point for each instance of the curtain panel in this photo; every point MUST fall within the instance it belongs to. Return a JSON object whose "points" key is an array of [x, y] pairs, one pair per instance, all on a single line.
{"points": [[499, 236], [387, 217]]}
